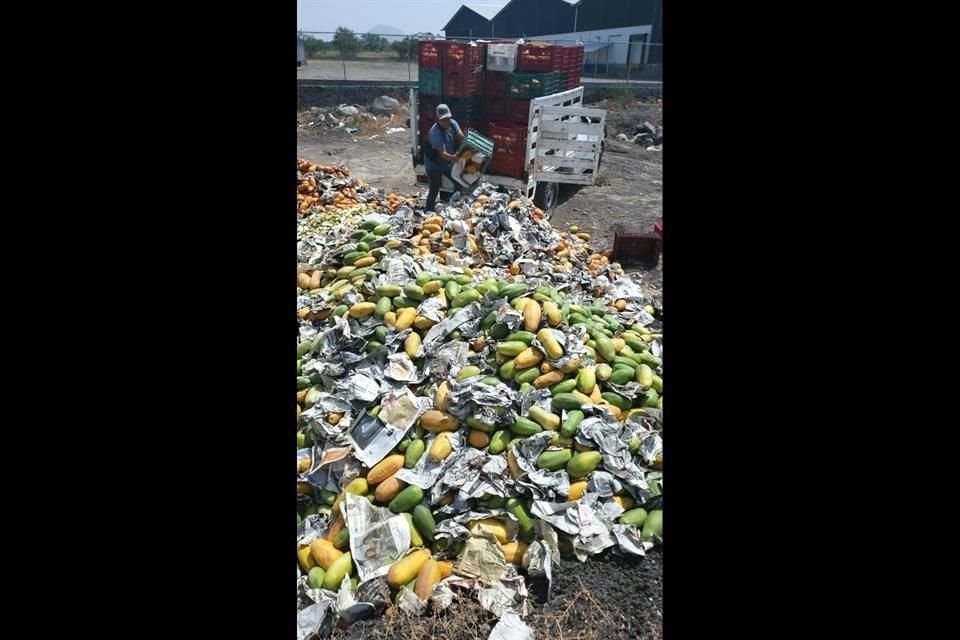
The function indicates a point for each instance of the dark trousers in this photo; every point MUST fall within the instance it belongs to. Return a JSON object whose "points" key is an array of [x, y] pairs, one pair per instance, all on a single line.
{"points": [[433, 178]]}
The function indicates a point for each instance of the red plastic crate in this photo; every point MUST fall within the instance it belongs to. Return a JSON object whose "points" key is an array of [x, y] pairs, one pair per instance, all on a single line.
{"points": [[508, 137], [496, 84], [507, 164], [518, 112], [462, 85], [461, 57], [424, 122], [495, 107], [427, 105], [535, 58], [430, 53], [633, 248]]}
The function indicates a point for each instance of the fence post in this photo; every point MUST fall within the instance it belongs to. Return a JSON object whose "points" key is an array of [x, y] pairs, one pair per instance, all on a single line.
{"points": [[629, 56], [343, 61], [409, 48]]}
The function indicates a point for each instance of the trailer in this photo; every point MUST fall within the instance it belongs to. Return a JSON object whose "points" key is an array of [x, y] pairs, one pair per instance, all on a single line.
{"points": [[564, 146]]}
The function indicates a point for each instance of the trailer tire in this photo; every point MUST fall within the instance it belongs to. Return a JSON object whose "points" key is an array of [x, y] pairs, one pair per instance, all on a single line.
{"points": [[546, 195]]}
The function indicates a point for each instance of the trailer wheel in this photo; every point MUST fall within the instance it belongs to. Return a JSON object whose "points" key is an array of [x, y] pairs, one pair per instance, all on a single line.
{"points": [[546, 195]]}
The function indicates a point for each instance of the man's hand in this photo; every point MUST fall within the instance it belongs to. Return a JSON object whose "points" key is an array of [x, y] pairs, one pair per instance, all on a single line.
{"points": [[448, 156]]}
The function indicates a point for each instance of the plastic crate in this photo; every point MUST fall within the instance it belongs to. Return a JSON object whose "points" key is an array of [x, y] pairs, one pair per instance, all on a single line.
{"points": [[431, 81], [518, 112], [508, 137], [533, 57], [495, 107], [427, 105], [430, 54], [523, 86], [501, 57], [464, 57], [424, 122], [635, 248], [462, 84], [495, 84], [465, 107], [507, 164]]}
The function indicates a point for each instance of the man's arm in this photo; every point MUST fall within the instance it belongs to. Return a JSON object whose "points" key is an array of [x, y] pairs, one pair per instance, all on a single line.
{"points": [[459, 132]]}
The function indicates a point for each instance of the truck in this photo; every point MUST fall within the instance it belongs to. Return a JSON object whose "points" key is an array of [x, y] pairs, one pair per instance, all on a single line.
{"points": [[564, 146]]}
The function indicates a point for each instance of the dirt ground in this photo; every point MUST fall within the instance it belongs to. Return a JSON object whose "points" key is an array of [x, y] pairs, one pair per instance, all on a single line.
{"points": [[606, 598]]}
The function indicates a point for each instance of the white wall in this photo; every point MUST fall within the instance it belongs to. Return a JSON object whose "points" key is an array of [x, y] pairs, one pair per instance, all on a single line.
{"points": [[619, 37]]}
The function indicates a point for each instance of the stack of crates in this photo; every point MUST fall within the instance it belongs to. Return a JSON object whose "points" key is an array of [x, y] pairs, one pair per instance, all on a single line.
{"points": [[495, 96], [572, 66], [510, 148], [463, 65]]}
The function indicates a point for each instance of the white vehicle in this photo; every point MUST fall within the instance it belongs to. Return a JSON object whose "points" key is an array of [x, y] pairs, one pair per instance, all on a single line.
{"points": [[564, 146], [301, 52]]}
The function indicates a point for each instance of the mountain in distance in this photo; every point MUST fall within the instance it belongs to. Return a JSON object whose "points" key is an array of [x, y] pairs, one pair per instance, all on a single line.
{"points": [[387, 29]]}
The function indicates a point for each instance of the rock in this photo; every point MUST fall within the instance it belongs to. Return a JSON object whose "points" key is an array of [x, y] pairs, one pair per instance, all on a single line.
{"points": [[348, 110], [315, 110], [385, 105], [622, 137]]}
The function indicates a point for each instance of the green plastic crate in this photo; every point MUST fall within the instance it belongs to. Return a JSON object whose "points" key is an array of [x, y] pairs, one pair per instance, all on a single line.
{"points": [[431, 81], [524, 86], [477, 142]]}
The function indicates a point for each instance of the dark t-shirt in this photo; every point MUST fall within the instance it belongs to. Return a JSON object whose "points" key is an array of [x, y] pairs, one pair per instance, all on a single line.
{"points": [[445, 139]]}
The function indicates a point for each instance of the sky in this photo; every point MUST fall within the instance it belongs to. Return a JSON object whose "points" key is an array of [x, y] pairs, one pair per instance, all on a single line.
{"points": [[410, 16]]}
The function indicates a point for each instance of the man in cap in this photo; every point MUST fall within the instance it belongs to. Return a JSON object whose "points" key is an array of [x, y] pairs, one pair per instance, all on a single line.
{"points": [[444, 138]]}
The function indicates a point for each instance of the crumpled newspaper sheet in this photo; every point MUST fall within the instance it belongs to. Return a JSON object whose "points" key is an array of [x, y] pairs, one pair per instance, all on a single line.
{"points": [[314, 619], [579, 519], [378, 537], [374, 438], [511, 627], [482, 559]]}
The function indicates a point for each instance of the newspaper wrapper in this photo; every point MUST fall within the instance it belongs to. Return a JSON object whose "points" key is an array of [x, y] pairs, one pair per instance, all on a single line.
{"points": [[482, 559], [578, 519], [374, 438], [628, 540], [507, 595], [314, 620], [448, 359], [408, 602], [447, 326], [426, 472], [511, 627], [332, 466], [358, 387], [378, 537], [542, 554]]}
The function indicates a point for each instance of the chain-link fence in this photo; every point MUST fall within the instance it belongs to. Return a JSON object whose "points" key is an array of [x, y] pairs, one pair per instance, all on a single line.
{"points": [[383, 57]]}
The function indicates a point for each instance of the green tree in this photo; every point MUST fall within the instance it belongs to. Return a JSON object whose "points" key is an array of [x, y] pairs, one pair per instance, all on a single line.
{"points": [[312, 46], [372, 42], [346, 40], [406, 49]]}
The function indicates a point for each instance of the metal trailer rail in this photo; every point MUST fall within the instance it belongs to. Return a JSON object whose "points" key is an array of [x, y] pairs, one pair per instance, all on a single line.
{"points": [[564, 146]]}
